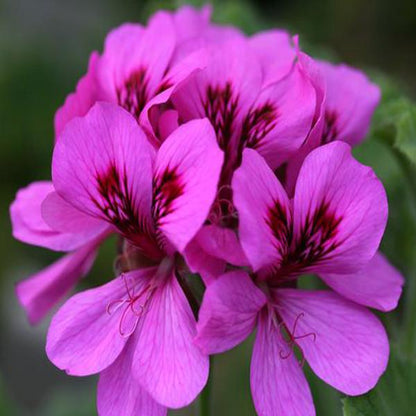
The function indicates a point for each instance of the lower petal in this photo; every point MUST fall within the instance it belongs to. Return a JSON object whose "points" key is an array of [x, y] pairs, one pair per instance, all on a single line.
{"points": [[120, 394], [228, 312], [166, 362], [378, 285], [349, 349], [85, 336], [278, 385], [40, 292]]}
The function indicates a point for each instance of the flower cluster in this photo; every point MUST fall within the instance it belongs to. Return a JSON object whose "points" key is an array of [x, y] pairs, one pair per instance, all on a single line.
{"points": [[213, 153]]}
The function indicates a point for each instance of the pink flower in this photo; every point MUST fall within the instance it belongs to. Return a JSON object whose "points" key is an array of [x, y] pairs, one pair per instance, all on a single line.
{"points": [[138, 63], [253, 99], [137, 330], [332, 227]]}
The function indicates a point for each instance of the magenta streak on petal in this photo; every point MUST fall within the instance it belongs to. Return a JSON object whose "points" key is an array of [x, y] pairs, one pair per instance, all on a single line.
{"points": [[316, 241], [258, 123], [118, 208], [330, 131], [278, 222], [133, 95], [221, 107], [166, 188]]}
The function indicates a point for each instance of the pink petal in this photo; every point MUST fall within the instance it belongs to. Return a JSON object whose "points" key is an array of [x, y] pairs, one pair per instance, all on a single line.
{"points": [[222, 243], [191, 22], [176, 76], [263, 209], [316, 77], [224, 90], [166, 362], [30, 227], [351, 100], [281, 118], [228, 312], [85, 335], [378, 285], [131, 49], [340, 211], [85, 96], [102, 165], [199, 261], [120, 394], [350, 347], [64, 218], [278, 385], [276, 53], [188, 166], [41, 292]]}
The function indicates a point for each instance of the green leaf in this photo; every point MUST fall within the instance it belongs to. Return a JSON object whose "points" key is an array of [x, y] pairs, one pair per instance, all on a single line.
{"points": [[395, 120], [393, 395]]}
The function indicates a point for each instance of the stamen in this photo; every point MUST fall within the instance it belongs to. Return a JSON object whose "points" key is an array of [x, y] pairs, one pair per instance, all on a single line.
{"points": [[291, 339], [130, 305]]}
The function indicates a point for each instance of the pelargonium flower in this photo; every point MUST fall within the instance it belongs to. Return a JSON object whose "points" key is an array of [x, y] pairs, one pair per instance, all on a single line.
{"points": [[332, 228], [136, 330], [130, 50]]}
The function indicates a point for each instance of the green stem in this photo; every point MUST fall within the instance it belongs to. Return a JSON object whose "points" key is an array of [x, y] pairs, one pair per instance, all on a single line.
{"points": [[205, 396]]}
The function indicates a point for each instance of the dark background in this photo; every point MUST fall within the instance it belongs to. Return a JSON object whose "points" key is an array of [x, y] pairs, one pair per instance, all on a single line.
{"points": [[44, 49]]}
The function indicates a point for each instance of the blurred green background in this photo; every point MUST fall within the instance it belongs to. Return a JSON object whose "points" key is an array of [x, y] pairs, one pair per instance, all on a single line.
{"points": [[44, 49]]}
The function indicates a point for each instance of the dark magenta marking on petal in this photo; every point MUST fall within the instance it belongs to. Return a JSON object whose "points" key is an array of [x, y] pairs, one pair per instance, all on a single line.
{"points": [[221, 108], [316, 242], [133, 94], [330, 131], [258, 123], [118, 207], [167, 187], [278, 222]]}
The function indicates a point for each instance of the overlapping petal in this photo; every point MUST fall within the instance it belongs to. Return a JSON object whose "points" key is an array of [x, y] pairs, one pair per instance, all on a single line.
{"points": [[187, 169], [228, 313], [379, 285], [167, 363], [264, 211]]}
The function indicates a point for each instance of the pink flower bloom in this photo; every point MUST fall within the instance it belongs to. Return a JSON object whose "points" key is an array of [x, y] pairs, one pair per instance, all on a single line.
{"points": [[332, 227], [265, 102], [137, 330], [136, 65]]}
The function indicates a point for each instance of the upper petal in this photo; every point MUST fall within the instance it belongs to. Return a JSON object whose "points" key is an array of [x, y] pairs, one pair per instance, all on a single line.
{"points": [[263, 211], [40, 292], [228, 313], [166, 362], [85, 335], [186, 175], [350, 102], [281, 118], [278, 385], [78, 103], [340, 212], [349, 349], [379, 285], [223, 91], [276, 53], [102, 165], [135, 59]]}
